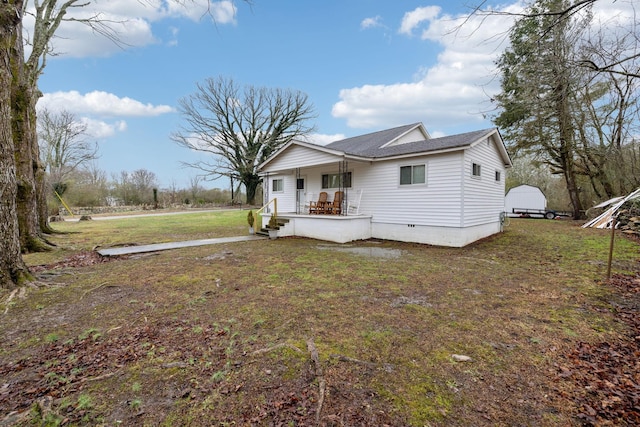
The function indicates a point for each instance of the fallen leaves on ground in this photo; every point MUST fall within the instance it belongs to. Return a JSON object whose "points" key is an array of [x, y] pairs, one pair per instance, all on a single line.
{"points": [[81, 259], [608, 373]]}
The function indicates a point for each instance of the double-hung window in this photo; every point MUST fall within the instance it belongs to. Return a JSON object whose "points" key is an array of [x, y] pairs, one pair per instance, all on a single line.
{"points": [[277, 185], [414, 174], [333, 180]]}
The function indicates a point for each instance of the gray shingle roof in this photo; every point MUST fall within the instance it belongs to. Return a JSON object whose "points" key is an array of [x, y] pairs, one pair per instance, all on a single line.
{"points": [[369, 145]]}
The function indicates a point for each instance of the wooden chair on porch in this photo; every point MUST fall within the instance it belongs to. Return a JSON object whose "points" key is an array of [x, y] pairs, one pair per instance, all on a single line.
{"points": [[319, 206], [335, 206]]}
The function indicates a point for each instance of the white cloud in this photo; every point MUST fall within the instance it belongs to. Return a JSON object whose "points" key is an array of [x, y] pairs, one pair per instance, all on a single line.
{"points": [[414, 18], [371, 22], [100, 129], [451, 93], [323, 139], [100, 103], [130, 22], [224, 12], [455, 91], [92, 108]]}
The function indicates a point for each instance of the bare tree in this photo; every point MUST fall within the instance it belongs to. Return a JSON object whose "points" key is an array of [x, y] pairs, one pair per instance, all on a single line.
{"points": [[143, 182], [88, 186], [135, 188], [26, 208], [599, 60], [64, 145], [195, 188], [240, 127], [30, 172], [122, 187], [607, 118]]}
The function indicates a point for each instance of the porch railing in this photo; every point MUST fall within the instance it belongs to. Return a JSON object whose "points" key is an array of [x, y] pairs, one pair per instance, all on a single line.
{"points": [[262, 209]]}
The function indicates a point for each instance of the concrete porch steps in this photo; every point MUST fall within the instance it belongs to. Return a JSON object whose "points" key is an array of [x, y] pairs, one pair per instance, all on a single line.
{"points": [[282, 222]]}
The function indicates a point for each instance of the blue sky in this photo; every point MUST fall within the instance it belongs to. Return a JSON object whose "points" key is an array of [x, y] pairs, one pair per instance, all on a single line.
{"points": [[366, 65]]}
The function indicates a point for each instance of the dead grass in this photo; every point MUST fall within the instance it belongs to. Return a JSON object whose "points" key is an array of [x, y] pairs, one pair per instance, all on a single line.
{"points": [[218, 335]]}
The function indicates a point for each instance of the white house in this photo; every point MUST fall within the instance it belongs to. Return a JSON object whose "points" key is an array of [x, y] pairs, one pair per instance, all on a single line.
{"points": [[525, 198], [398, 184]]}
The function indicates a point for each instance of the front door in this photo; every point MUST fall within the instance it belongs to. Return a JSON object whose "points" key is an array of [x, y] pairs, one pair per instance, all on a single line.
{"points": [[301, 194]]}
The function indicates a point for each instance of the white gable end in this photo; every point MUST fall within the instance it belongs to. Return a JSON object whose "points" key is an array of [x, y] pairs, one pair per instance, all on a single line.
{"points": [[298, 157], [419, 133]]}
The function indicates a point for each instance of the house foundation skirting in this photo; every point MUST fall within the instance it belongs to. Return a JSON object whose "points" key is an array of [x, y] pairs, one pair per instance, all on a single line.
{"points": [[440, 236], [344, 229]]}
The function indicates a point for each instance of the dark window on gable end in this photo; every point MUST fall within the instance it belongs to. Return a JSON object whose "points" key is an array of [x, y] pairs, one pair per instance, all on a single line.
{"points": [[498, 176], [475, 169]]}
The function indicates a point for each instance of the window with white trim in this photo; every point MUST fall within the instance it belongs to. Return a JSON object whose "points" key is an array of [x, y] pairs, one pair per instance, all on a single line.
{"points": [[277, 185], [332, 180], [498, 176], [414, 174], [475, 170]]}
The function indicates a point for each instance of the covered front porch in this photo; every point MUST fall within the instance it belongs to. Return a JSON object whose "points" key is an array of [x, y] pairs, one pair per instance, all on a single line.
{"points": [[318, 199]]}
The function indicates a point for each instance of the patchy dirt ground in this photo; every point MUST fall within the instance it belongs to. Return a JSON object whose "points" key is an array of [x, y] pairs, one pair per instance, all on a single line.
{"points": [[194, 338]]}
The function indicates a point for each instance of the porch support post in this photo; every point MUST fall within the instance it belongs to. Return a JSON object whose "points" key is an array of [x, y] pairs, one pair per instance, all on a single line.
{"points": [[265, 191], [344, 170], [298, 201]]}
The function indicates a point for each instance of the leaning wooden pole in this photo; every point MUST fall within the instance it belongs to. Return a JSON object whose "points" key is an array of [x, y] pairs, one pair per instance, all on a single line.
{"points": [[613, 235]]}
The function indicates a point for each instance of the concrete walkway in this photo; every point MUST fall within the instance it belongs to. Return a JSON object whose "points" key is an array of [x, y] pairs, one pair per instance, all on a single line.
{"points": [[126, 250]]}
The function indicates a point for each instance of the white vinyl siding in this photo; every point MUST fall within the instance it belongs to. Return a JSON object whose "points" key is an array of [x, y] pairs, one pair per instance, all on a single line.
{"points": [[483, 198], [287, 197], [436, 204]]}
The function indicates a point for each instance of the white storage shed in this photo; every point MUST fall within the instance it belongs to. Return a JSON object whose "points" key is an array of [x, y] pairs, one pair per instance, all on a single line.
{"points": [[524, 198]]}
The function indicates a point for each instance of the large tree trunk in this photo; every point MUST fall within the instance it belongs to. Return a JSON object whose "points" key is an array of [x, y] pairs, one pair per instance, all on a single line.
{"points": [[567, 154], [565, 119], [251, 184], [39, 173], [42, 190], [23, 96], [13, 270]]}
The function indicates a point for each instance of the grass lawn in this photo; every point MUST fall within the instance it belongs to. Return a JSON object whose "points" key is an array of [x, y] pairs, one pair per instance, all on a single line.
{"points": [[303, 332]]}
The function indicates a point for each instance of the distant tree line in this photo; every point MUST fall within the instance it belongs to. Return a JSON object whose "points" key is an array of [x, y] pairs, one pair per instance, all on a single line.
{"points": [[90, 187]]}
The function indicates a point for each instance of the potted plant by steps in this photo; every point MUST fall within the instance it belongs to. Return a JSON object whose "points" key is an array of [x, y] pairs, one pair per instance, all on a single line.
{"points": [[251, 219], [273, 227]]}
